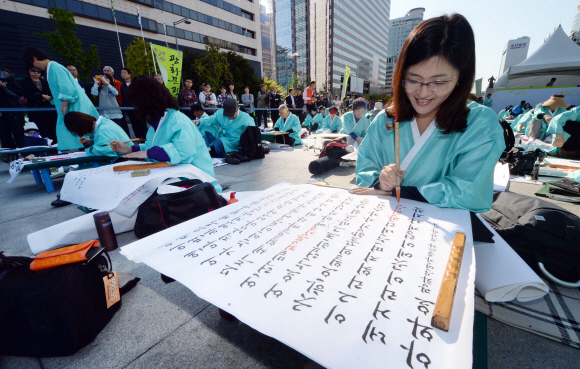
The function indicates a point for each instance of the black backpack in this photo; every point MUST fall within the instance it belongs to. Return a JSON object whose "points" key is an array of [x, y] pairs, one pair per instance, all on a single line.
{"points": [[508, 135], [53, 312], [540, 232], [160, 212], [251, 143], [521, 162]]}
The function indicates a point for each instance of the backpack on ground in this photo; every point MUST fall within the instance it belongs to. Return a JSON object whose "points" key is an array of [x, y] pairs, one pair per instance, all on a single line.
{"points": [[160, 212], [545, 235], [521, 162], [251, 143], [335, 149], [53, 312], [329, 158]]}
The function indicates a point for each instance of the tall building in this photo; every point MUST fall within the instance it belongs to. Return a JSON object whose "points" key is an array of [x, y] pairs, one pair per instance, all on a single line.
{"points": [[231, 25], [292, 40], [515, 52], [400, 29], [575, 34], [268, 38], [350, 34]]}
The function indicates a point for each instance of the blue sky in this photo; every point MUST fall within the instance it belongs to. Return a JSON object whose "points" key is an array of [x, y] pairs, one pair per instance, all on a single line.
{"points": [[495, 22]]}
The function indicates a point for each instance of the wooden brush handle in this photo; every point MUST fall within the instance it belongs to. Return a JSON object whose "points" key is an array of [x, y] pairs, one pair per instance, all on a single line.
{"points": [[122, 168]]}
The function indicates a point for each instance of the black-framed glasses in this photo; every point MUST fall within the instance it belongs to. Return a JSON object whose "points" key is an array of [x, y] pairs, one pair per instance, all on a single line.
{"points": [[34, 70], [411, 84]]}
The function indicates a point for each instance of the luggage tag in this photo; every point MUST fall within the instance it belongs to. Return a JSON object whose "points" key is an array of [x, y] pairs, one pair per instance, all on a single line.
{"points": [[112, 289]]}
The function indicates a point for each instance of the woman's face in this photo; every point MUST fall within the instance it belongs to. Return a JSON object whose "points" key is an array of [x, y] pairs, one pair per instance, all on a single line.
{"points": [[34, 73], [159, 79], [247, 90], [424, 100], [231, 87]]}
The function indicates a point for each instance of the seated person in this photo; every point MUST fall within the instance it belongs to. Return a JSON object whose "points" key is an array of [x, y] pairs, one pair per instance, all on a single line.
{"points": [[565, 128], [224, 128], [199, 114], [100, 131], [290, 123], [488, 101], [521, 122], [373, 114], [543, 114], [354, 123], [323, 111], [504, 113], [332, 122], [448, 149], [171, 137], [313, 119]]}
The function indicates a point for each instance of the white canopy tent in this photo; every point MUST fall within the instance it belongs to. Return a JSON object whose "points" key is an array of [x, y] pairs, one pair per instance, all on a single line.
{"points": [[558, 57]]}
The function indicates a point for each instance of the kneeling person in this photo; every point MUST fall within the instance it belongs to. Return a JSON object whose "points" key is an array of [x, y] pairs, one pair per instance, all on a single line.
{"points": [[100, 131], [332, 122], [354, 123], [314, 119], [290, 123]]}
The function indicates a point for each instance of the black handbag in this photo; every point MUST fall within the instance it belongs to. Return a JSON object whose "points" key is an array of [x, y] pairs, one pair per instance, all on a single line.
{"points": [[53, 312], [160, 212]]}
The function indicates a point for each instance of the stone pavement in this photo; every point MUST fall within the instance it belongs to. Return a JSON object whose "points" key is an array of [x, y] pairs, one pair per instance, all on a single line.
{"points": [[167, 326]]}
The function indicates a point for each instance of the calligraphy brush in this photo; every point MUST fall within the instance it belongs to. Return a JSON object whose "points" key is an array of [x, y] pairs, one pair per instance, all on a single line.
{"points": [[133, 140], [397, 159]]}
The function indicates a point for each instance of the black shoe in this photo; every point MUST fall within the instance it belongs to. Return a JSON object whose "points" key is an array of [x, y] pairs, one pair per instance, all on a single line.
{"points": [[59, 203], [231, 159], [266, 149], [240, 157]]}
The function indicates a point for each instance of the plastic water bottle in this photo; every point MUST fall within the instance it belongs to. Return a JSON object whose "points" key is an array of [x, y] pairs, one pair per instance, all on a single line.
{"points": [[536, 170]]}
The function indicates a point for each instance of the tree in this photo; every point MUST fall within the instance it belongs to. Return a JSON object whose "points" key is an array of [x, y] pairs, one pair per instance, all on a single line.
{"points": [[138, 62], [270, 83], [295, 82], [213, 67], [242, 73], [65, 43]]}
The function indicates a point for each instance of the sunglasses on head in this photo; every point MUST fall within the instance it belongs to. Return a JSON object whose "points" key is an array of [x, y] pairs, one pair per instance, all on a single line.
{"points": [[34, 70]]}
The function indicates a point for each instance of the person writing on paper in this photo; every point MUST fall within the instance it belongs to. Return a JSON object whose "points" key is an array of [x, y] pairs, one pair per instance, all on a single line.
{"points": [[171, 136], [448, 150], [314, 119], [543, 115], [100, 133], [331, 122], [354, 123], [290, 123]]}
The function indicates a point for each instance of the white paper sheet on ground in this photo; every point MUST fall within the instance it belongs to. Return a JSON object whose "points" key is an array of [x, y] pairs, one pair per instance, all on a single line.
{"points": [[522, 179], [279, 146], [218, 162], [560, 161], [26, 148], [102, 188], [502, 275], [74, 231], [501, 177], [350, 281], [16, 166]]}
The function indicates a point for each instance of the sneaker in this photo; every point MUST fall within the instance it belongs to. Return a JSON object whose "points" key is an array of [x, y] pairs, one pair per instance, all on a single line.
{"points": [[240, 157], [230, 159]]}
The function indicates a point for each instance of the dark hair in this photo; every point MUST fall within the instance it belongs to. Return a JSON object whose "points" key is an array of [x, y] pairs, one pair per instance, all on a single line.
{"points": [[311, 82], [248, 87], [231, 83], [196, 107], [69, 65], [553, 78], [488, 94], [290, 90], [31, 52], [189, 79], [79, 124], [358, 103], [571, 107], [472, 97], [224, 87], [128, 70], [108, 79], [522, 102], [150, 98], [451, 38]]}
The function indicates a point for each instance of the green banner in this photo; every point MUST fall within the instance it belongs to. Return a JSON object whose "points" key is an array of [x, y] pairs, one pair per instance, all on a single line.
{"points": [[478, 87], [346, 76], [169, 63]]}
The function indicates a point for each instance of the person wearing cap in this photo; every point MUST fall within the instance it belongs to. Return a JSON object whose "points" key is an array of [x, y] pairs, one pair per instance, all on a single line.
{"points": [[171, 136], [565, 129], [543, 114], [373, 114], [354, 123], [290, 123], [331, 123], [230, 123], [314, 119]]}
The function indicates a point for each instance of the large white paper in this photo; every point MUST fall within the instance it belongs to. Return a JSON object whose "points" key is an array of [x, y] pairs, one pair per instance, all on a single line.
{"points": [[502, 275], [16, 166], [350, 281], [501, 177], [102, 188]]}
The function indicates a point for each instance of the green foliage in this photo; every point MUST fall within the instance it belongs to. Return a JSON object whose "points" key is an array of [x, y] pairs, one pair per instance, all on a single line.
{"points": [[65, 43], [213, 67], [270, 83], [139, 62], [383, 97], [295, 82], [242, 73]]}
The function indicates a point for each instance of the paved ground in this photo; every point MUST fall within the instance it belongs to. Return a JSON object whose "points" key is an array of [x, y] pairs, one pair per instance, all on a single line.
{"points": [[167, 326]]}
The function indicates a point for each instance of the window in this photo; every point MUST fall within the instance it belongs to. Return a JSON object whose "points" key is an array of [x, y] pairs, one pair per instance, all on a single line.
{"points": [[176, 9], [197, 37], [220, 4], [104, 13], [74, 6], [43, 3], [90, 10], [189, 35], [215, 22], [192, 15], [121, 17], [158, 4], [160, 28], [170, 31], [167, 6], [184, 12], [222, 24], [152, 25], [180, 32], [59, 4], [131, 20]]}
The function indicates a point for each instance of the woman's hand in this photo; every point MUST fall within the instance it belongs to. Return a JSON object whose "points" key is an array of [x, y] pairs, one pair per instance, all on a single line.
{"points": [[388, 177], [369, 191], [96, 80], [104, 81], [558, 140], [85, 141], [548, 118], [121, 147], [47, 97], [137, 155]]}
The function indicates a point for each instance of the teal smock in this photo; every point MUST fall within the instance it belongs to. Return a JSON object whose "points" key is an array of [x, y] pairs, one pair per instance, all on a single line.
{"points": [[106, 131], [488, 103], [290, 123], [451, 170], [381, 118], [229, 131], [329, 123], [522, 119], [182, 143], [543, 109], [503, 114], [558, 122], [63, 86], [203, 128], [348, 125], [312, 120]]}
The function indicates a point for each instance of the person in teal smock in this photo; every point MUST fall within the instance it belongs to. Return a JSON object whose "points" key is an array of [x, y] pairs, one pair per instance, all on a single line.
{"points": [[521, 122], [68, 95], [100, 132], [562, 134], [504, 113], [199, 114], [230, 123], [313, 119], [543, 114], [171, 136], [448, 150], [354, 123], [331, 123], [288, 122], [488, 101]]}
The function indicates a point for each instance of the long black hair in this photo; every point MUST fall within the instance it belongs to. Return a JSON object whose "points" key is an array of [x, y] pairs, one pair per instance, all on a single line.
{"points": [[150, 98]]}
